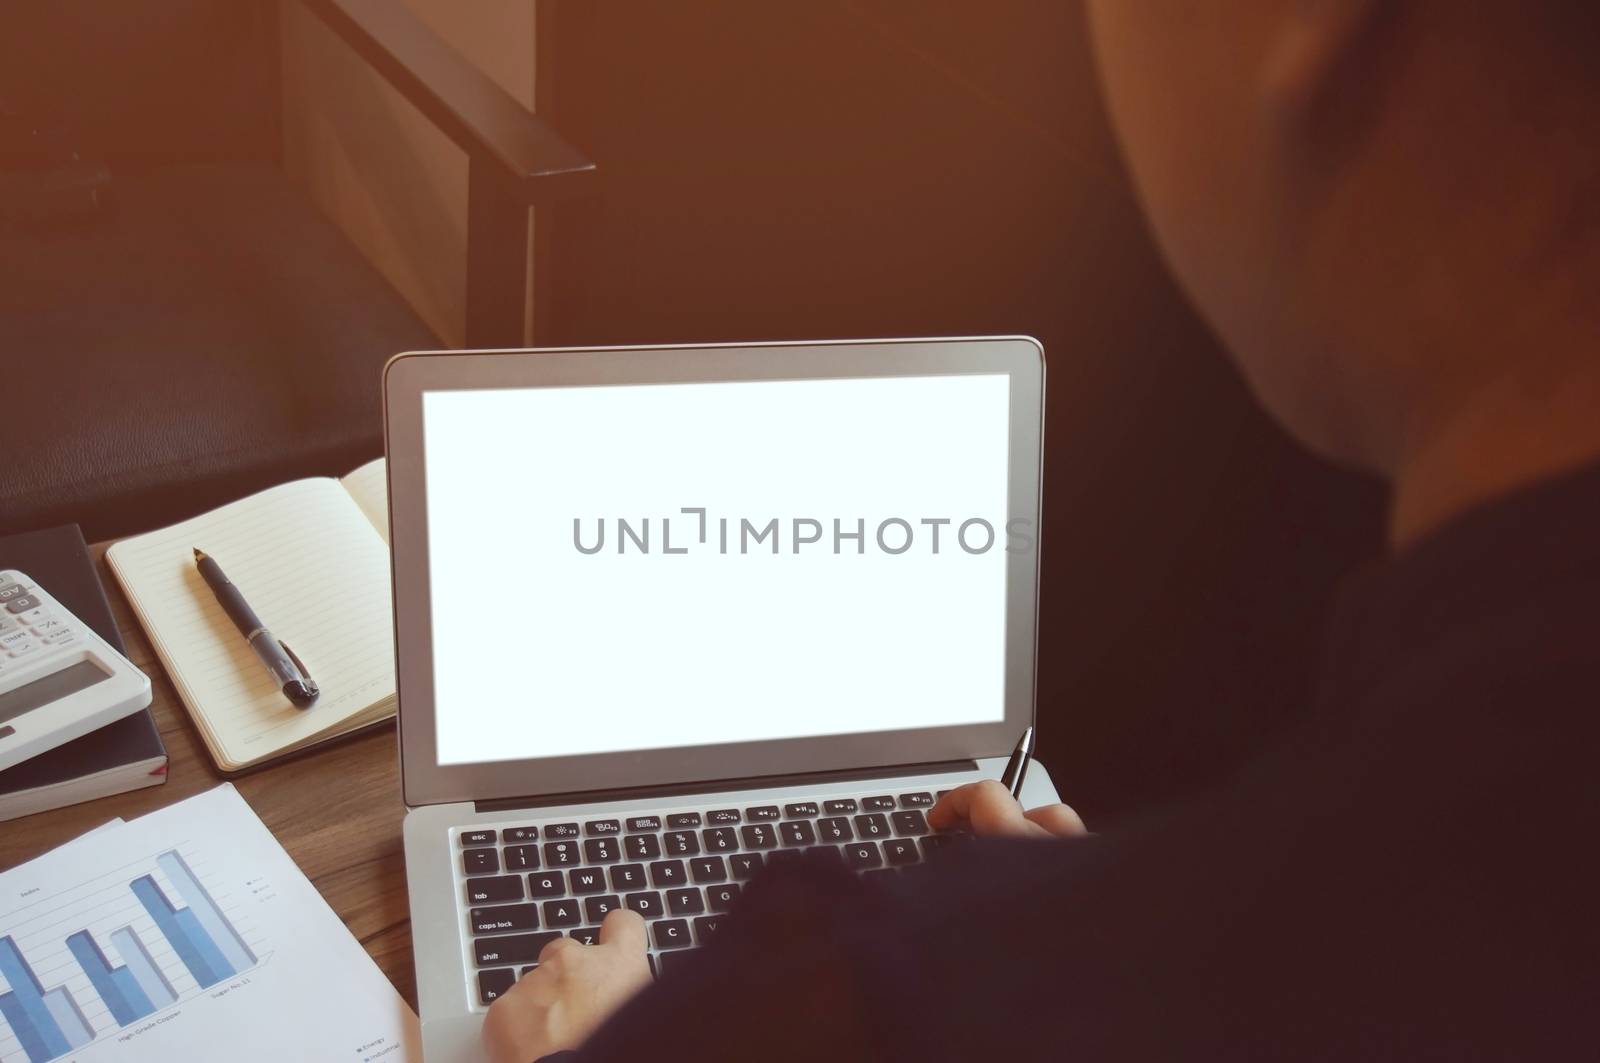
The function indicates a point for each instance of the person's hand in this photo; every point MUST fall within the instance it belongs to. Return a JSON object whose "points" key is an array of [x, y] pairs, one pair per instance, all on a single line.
{"points": [[574, 990], [987, 809]]}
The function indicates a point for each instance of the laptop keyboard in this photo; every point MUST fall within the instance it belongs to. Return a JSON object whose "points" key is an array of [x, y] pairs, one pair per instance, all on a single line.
{"points": [[682, 871]]}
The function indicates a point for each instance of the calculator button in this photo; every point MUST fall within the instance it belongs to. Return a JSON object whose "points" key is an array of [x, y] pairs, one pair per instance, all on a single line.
{"points": [[22, 604], [62, 637], [48, 626], [12, 591], [18, 642]]}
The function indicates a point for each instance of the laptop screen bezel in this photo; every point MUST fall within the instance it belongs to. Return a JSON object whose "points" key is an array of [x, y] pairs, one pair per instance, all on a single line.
{"points": [[408, 376]]}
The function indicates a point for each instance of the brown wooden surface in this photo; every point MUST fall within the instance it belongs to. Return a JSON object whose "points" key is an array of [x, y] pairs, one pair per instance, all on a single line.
{"points": [[336, 810]]}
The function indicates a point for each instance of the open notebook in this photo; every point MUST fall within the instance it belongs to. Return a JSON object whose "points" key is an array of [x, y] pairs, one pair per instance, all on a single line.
{"points": [[312, 558]]}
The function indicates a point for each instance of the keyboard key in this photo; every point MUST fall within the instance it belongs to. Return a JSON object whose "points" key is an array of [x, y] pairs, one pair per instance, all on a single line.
{"points": [[900, 851], [587, 880], [862, 855], [561, 830], [825, 852], [586, 935], [522, 858], [511, 949], [546, 884], [527, 970], [494, 890], [562, 913], [934, 842], [665, 873], [647, 904], [873, 826], [706, 928], [913, 822], [491, 984], [642, 846], [673, 962], [595, 909], [762, 814], [883, 874], [720, 839], [560, 854], [840, 806], [681, 843], [745, 865], [943, 794], [679, 820], [480, 861], [596, 827], [758, 836], [685, 902], [836, 829], [476, 837], [797, 833], [723, 815], [625, 877], [505, 919], [518, 835], [801, 810], [917, 800], [784, 856], [877, 804], [722, 897], [644, 823], [708, 869], [672, 934], [601, 851]]}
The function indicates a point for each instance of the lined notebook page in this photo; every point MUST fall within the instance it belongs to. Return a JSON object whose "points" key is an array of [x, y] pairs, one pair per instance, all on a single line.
{"points": [[369, 486], [309, 562]]}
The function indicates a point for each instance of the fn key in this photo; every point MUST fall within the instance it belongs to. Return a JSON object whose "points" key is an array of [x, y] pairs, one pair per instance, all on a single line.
{"points": [[491, 984]]}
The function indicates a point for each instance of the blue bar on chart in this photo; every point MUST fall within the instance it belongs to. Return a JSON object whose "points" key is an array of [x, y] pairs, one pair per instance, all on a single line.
{"points": [[215, 924], [116, 985], [47, 1025], [143, 968], [201, 935]]}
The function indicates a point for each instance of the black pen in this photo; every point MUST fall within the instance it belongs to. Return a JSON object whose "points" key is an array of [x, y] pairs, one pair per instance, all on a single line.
{"points": [[1017, 766], [298, 686]]}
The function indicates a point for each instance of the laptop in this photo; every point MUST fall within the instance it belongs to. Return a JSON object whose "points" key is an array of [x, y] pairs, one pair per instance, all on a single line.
{"points": [[666, 617]]}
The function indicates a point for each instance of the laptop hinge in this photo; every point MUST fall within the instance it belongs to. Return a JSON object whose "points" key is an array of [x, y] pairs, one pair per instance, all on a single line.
{"points": [[502, 804]]}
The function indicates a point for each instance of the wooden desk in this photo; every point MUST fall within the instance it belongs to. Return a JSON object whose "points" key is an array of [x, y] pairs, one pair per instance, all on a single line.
{"points": [[336, 810]]}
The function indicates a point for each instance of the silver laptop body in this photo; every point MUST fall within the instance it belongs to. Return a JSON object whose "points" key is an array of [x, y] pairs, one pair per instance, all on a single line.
{"points": [[664, 616]]}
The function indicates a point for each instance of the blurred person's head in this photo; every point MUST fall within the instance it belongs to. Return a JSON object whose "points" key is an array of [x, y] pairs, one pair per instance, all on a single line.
{"points": [[1390, 212]]}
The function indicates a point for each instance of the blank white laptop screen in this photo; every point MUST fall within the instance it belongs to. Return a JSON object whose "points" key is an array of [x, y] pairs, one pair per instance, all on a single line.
{"points": [[653, 566]]}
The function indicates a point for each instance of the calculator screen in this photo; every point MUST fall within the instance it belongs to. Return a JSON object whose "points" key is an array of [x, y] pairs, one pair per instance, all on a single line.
{"points": [[52, 687], [636, 567]]}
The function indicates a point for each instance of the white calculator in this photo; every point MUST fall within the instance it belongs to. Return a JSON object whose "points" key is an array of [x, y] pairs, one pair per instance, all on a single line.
{"points": [[58, 679]]}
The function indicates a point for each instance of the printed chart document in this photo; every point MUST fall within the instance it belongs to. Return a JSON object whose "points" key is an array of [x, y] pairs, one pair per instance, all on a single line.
{"points": [[187, 934]]}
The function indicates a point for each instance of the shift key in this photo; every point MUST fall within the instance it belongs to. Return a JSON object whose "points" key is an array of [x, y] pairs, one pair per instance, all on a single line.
{"points": [[492, 890], [513, 949]]}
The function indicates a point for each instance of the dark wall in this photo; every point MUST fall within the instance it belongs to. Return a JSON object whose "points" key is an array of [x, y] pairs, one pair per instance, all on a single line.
{"points": [[851, 168], [146, 83]]}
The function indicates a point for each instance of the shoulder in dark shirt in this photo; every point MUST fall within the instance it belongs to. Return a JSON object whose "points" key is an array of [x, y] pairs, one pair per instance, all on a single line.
{"points": [[1408, 877]]}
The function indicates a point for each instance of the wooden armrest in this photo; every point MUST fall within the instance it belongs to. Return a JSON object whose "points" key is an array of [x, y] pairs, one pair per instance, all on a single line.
{"points": [[464, 103]]}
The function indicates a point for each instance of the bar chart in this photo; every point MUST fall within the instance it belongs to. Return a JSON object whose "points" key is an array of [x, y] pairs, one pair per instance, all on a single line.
{"points": [[141, 943]]}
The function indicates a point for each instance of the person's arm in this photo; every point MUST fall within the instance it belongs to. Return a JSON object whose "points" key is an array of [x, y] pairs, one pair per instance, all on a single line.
{"points": [[801, 958]]}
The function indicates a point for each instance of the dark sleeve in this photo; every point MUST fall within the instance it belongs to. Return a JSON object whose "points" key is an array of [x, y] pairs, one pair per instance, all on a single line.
{"points": [[818, 964]]}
